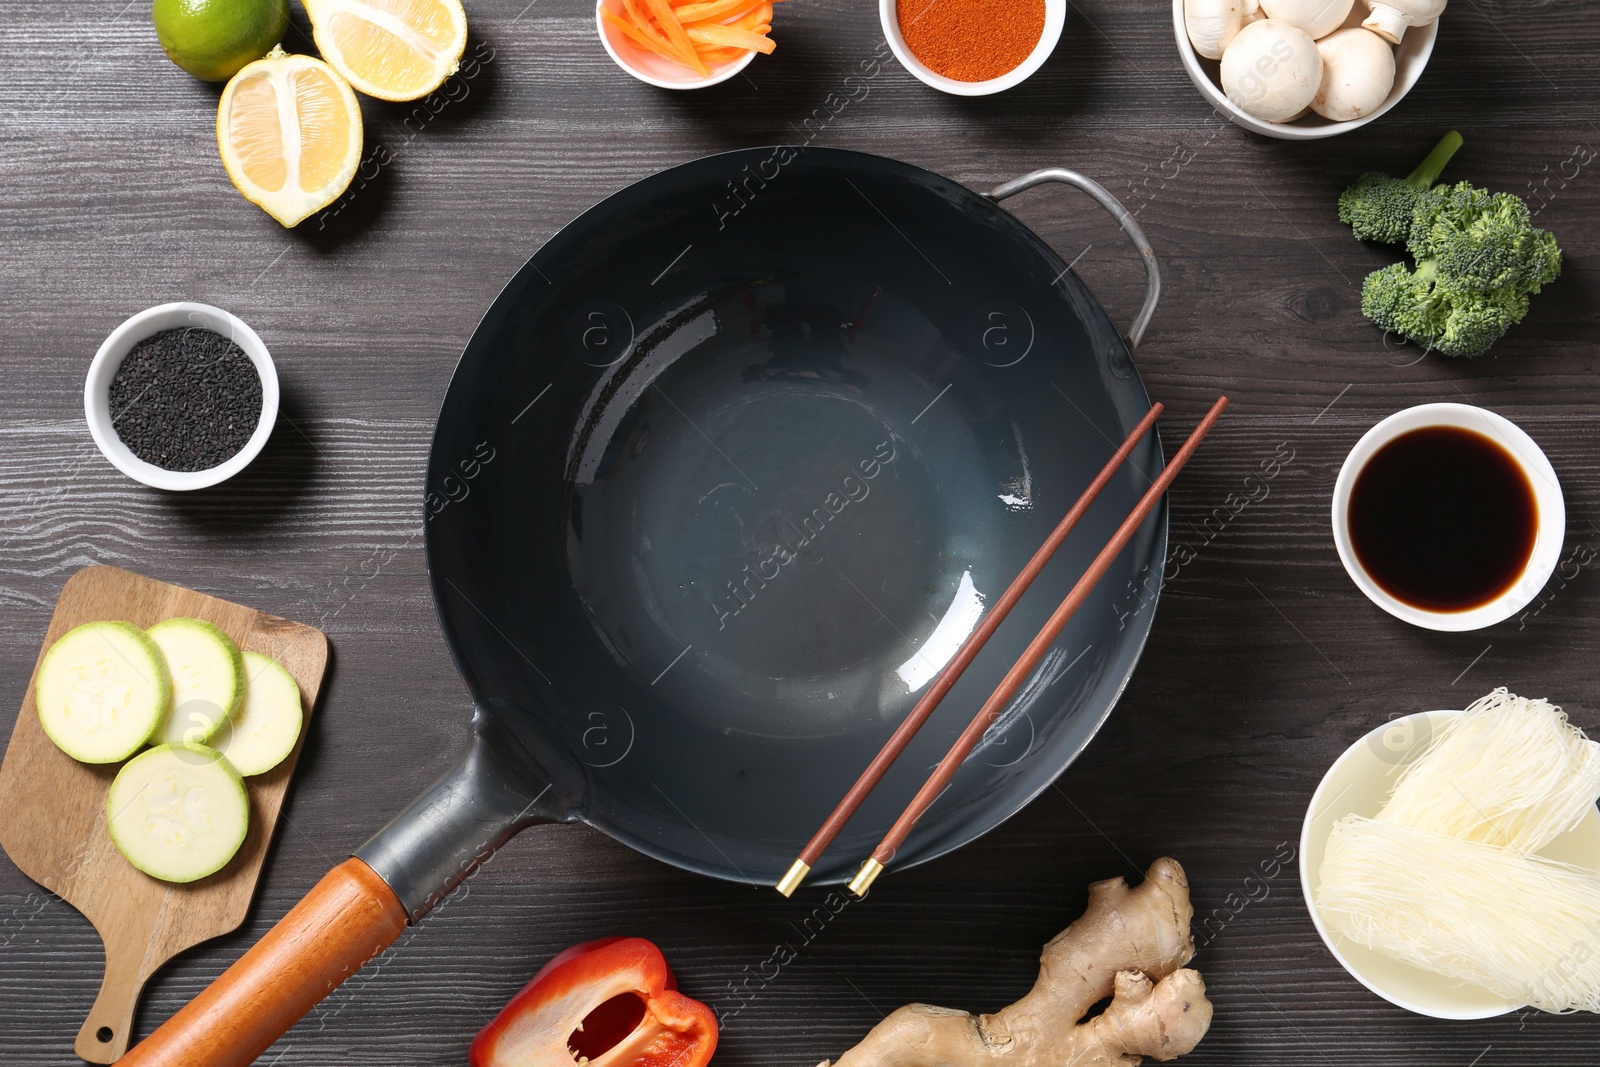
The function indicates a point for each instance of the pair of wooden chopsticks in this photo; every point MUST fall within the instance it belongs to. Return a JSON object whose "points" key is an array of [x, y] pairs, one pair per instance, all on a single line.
{"points": [[1014, 678]]}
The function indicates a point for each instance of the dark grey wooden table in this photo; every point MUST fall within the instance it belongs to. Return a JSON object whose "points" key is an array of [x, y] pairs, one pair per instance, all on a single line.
{"points": [[1265, 660]]}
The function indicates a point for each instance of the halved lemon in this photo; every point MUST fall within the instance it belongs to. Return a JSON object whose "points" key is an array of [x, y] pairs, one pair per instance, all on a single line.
{"points": [[289, 130], [391, 49]]}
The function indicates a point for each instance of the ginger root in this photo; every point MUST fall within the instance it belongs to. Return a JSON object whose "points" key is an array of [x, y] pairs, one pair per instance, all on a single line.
{"points": [[1129, 944]]}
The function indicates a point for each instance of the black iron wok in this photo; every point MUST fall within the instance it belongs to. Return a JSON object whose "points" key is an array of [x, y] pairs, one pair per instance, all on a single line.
{"points": [[723, 478]]}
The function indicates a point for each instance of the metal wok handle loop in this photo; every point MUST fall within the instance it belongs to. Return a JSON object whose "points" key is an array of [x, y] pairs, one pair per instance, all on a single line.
{"points": [[1152, 270]]}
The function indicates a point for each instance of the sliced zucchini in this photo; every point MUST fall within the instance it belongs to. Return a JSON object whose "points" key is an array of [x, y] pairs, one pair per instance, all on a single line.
{"points": [[207, 679], [103, 689], [178, 812], [263, 731]]}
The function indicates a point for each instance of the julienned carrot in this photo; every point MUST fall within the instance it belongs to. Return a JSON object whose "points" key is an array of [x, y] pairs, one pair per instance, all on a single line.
{"points": [[676, 34], [714, 11], [695, 33], [754, 19], [731, 37], [640, 38], [721, 55], [642, 23], [751, 15]]}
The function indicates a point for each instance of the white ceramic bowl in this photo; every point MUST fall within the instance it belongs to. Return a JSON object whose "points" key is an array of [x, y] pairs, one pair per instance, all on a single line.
{"points": [[97, 407], [1055, 17], [1358, 783], [650, 68], [1410, 57], [1548, 502]]}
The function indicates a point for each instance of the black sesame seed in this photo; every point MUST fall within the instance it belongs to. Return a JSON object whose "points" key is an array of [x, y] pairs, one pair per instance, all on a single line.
{"points": [[185, 399]]}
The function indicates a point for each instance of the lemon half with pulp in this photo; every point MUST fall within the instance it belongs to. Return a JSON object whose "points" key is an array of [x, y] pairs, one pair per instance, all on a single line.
{"points": [[391, 49], [289, 131]]}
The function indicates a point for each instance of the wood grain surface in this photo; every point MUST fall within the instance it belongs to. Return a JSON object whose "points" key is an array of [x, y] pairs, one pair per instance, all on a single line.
{"points": [[54, 823], [1265, 661]]}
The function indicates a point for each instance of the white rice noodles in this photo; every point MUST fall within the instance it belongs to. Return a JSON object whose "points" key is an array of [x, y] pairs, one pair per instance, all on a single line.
{"points": [[1509, 771], [1524, 927], [1444, 878]]}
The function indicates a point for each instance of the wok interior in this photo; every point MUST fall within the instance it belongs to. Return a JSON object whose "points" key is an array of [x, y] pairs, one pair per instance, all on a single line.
{"points": [[754, 475]]}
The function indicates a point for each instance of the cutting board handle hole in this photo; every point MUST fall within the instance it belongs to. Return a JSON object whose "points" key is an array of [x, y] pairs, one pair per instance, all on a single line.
{"points": [[104, 1035]]}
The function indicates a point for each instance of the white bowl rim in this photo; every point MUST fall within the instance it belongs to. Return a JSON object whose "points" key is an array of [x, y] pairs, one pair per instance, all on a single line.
{"points": [[1312, 809], [1055, 19], [109, 357], [717, 77], [1291, 131], [1549, 504]]}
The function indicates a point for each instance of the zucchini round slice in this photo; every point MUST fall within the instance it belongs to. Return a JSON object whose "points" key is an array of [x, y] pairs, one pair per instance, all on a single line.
{"points": [[207, 679], [263, 731], [178, 812], [103, 690]]}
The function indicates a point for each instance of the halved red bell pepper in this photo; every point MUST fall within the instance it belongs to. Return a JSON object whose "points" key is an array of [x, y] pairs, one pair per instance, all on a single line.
{"points": [[606, 1003]]}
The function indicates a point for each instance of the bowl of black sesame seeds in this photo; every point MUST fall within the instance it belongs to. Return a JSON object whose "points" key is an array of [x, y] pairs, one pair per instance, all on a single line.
{"points": [[181, 396]]}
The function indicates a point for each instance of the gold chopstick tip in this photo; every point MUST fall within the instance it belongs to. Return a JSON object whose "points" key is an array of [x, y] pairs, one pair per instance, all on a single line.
{"points": [[865, 877], [792, 880]]}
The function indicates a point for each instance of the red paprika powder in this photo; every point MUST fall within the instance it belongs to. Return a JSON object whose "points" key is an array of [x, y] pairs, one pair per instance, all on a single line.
{"points": [[971, 40]]}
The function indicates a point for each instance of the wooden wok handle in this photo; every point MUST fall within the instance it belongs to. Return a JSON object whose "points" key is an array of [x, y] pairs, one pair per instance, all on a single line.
{"points": [[347, 918]]}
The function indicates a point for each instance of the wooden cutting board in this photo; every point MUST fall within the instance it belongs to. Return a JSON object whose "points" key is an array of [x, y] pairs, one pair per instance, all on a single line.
{"points": [[52, 808]]}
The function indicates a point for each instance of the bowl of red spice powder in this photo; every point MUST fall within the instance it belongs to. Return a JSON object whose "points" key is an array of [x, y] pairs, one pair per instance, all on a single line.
{"points": [[972, 47]]}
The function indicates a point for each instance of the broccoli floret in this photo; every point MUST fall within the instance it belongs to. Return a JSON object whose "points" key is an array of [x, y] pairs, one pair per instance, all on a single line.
{"points": [[1483, 242], [1392, 298], [1425, 307], [1478, 255], [1378, 207], [1473, 324]]}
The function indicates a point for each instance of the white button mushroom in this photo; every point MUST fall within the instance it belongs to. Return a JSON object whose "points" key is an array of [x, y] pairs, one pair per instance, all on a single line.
{"points": [[1272, 70], [1357, 74], [1391, 18], [1317, 17], [1213, 23]]}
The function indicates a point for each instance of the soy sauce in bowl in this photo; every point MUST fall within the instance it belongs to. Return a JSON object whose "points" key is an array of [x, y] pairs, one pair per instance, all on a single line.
{"points": [[1443, 519]]}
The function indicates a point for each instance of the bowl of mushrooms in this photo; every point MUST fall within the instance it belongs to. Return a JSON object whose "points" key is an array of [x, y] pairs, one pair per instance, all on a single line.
{"points": [[1305, 69]]}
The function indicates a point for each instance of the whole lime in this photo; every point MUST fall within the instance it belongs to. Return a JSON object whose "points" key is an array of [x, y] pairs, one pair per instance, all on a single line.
{"points": [[214, 39]]}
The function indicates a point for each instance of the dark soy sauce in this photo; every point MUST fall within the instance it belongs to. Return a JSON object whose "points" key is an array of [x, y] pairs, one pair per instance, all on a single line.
{"points": [[1443, 519]]}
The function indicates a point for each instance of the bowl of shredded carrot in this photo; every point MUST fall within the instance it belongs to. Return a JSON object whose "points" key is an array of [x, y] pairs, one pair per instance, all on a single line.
{"points": [[688, 44]]}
